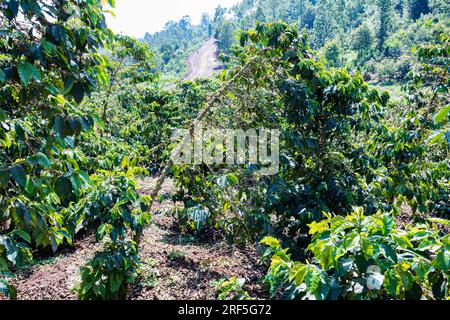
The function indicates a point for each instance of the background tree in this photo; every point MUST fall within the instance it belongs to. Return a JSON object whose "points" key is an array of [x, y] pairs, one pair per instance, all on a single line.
{"points": [[384, 22], [362, 40], [323, 25], [260, 16], [332, 53], [415, 8]]}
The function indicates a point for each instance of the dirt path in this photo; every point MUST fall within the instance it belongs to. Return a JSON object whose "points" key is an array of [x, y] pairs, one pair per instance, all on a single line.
{"points": [[204, 62], [173, 266]]}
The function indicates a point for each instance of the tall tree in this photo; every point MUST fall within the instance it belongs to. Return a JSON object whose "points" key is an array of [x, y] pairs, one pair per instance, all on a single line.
{"points": [[260, 16], [384, 8], [415, 8], [362, 40], [323, 25]]}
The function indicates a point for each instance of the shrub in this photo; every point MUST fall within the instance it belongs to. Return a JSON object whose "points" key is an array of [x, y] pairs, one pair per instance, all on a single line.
{"points": [[360, 257]]}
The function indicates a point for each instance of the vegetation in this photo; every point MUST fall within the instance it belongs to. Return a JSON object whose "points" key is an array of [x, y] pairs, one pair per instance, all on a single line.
{"points": [[360, 206]]}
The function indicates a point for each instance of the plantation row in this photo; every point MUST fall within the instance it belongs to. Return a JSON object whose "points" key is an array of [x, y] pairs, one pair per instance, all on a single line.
{"points": [[359, 209]]}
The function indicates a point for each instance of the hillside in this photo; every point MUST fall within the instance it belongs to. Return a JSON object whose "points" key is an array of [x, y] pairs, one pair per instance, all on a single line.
{"points": [[203, 63]]}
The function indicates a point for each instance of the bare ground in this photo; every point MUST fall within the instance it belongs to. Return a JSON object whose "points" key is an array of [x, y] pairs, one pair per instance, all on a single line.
{"points": [[204, 62], [174, 266]]}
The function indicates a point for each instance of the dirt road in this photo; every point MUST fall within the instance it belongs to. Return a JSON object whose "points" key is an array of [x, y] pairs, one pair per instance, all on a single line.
{"points": [[204, 62]]}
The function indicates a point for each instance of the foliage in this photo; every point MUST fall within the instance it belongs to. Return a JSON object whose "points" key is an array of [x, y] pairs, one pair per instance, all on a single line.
{"points": [[109, 273], [49, 62], [359, 257], [232, 289], [55, 178], [82, 115]]}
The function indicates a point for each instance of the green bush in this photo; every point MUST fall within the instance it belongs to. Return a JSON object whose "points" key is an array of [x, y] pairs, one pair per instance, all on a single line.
{"points": [[364, 257], [108, 275]]}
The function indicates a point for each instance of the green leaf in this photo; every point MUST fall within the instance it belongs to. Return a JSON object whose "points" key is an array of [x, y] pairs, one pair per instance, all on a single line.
{"points": [[20, 132], [406, 277], [5, 175], [2, 116], [27, 71], [84, 176], [442, 115], [23, 213], [2, 76], [437, 137], [270, 242], [19, 175], [13, 6], [327, 257], [68, 84], [313, 279], [388, 224], [443, 260], [24, 235], [116, 282], [367, 248], [58, 125], [392, 282], [298, 273], [78, 92], [39, 159]]}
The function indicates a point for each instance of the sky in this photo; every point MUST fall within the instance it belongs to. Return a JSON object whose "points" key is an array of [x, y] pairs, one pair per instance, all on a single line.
{"points": [[136, 17]]}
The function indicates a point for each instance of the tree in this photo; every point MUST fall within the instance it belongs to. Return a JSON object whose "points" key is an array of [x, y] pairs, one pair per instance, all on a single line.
{"points": [[362, 40], [323, 25], [260, 16], [415, 8], [225, 36], [309, 16], [332, 53], [185, 25], [384, 8], [219, 13]]}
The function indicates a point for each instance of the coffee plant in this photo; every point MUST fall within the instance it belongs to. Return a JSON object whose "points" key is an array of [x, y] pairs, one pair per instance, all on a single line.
{"points": [[363, 257], [84, 115]]}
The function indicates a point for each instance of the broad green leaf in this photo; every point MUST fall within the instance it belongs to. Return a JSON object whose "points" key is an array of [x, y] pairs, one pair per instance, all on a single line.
{"points": [[2, 116], [318, 227], [367, 248], [442, 115], [313, 278], [443, 260], [24, 73], [2, 76], [116, 281], [326, 256], [27, 71], [24, 235], [19, 175], [298, 273], [5, 175], [437, 137], [392, 282], [406, 277], [39, 159], [388, 224], [270, 242]]}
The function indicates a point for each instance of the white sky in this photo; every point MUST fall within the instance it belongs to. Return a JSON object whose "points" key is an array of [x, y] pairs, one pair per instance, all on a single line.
{"points": [[136, 17]]}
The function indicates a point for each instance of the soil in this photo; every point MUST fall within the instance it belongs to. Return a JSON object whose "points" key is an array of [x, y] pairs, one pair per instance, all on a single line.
{"points": [[204, 62], [174, 266]]}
